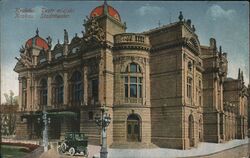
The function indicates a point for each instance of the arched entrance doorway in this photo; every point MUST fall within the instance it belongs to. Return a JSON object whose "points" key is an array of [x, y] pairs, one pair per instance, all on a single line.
{"points": [[191, 130], [133, 128]]}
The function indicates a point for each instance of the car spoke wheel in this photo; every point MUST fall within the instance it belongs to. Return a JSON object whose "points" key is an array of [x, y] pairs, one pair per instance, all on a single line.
{"points": [[72, 151], [63, 147], [86, 153]]}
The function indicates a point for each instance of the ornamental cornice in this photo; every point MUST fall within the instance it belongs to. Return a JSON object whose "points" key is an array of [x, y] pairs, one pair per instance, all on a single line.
{"points": [[183, 42]]}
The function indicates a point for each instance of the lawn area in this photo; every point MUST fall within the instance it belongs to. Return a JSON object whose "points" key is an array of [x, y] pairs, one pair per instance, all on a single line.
{"points": [[10, 151]]}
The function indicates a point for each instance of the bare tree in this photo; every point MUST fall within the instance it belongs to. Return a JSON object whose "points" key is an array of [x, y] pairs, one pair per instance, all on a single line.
{"points": [[8, 119]]}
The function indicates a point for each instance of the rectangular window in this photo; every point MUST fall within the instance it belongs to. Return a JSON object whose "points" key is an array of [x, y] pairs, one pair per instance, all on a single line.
{"points": [[126, 79], [133, 79], [140, 91], [95, 89], [126, 90], [200, 100], [133, 68], [133, 90], [189, 87], [140, 79]]}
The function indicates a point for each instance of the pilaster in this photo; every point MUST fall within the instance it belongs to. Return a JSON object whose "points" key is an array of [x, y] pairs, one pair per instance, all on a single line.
{"points": [[65, 88], [20, 94], [28, 105], [85, 85], [49, 91]]}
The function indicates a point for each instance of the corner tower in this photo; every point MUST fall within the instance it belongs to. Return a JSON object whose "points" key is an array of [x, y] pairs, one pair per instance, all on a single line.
{"points": [[108, 18]]}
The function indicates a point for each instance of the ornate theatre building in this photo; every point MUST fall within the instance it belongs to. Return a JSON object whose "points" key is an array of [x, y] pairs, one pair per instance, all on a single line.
{"points": [[160, 87]]}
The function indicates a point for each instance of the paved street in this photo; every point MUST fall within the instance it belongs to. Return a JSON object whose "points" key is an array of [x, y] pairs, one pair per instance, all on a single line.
{"points": [[232, 149]]}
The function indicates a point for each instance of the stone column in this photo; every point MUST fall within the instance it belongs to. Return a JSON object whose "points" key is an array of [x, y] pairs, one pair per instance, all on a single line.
{"points": [[28, 104], [36, 102], [20, 93], [221, 96], [85, 85], [65, 88], [34, 99], [49, 92]]}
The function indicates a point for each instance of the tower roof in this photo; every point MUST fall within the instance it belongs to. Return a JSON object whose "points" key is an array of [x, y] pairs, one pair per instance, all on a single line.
{"points": [[105, 9], [37, 41]]}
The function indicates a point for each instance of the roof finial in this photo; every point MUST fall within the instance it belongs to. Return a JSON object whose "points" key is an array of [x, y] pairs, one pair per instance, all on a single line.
{"points": [[180, 16], [239, 73], [159, 23], [193, 28], [242, 77], [37, 32], [58, 42], [105, 9]]}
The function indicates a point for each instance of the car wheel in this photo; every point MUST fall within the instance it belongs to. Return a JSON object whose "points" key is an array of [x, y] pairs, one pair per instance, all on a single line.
{"points": [[86, 153], [63, 147], [72, 151]]}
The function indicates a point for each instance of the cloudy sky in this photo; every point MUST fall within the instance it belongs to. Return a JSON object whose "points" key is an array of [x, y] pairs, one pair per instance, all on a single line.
{"points": [[225, 21]]}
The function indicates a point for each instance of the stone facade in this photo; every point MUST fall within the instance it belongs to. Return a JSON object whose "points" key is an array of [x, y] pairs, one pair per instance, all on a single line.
{"points": [[160, 87]]}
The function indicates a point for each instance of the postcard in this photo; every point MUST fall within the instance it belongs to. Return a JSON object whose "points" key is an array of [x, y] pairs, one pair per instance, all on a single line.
{"points": [[124, 79]]}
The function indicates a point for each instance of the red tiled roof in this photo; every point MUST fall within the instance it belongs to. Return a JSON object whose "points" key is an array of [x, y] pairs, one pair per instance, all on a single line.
{"points": [[98, 11], [37, 41]]}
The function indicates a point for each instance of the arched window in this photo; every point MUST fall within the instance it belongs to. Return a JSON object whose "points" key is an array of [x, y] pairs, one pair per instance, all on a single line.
{"points": [[43, 92], [24, 92], [77, 88], [58, 89], [133, 81]]}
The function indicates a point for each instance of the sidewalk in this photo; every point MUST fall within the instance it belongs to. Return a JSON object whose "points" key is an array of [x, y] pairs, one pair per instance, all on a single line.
{"points": [[203, 149], [208, 150]]}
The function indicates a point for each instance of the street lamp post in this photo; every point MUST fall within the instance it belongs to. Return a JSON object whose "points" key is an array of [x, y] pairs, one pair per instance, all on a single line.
{"points": [[103, 122], [46, 121]]}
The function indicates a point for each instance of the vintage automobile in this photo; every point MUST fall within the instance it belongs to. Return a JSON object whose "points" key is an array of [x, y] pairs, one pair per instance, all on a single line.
{"points": [[73, 143]]}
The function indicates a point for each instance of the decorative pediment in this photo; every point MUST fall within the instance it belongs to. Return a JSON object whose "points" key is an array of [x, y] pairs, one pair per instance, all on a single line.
{"points": [[94, 33]]}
